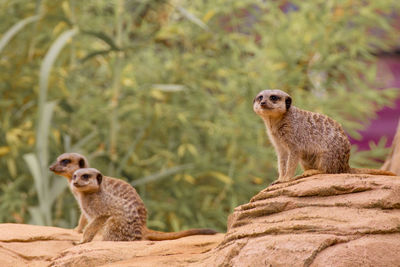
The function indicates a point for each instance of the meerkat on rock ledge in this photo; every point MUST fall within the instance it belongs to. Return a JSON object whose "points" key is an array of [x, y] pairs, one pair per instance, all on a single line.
{"points": [[115, 211], [315, 140], [110, 204]]}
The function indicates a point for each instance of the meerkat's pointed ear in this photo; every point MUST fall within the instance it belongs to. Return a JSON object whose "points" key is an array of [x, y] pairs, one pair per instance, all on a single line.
{"points": [[288, 102], [99, 178], [82, 163]]}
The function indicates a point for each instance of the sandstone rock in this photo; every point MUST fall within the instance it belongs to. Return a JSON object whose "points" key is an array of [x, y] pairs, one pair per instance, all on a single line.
{"points": [[30, 245], [179, 252], [323, 220]]}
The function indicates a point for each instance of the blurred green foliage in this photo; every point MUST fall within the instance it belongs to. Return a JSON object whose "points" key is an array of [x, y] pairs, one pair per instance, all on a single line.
{"points": [[160, 92]]}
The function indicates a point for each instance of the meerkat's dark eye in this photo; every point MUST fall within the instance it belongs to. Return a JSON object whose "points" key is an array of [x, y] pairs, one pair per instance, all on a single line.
{"points": [[81, 163], [259, 98], [65, 162], [74, 177], [85, 176], [274, 98]]}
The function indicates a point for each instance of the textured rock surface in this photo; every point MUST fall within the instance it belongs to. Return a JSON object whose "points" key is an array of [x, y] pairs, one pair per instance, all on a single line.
{"points": [[29, 245], [324, 220]]}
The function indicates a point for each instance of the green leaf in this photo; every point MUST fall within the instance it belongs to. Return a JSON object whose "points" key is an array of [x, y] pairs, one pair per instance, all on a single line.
{"points": [[104, 37], [83, 141], [34, 167], [48, 62], [162, 174], [56, 189], [222, 177], [95, 53], [46, 109], [36, 216], [43, 133], [193, 18], [169, 87], [15, 29]]}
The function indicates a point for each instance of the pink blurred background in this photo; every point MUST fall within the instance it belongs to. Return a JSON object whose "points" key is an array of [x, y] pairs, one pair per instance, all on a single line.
{"points": [[386, 122]]}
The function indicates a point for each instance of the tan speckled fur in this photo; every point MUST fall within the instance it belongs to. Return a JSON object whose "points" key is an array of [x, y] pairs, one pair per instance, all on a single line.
{"points": [[315, 140], [109, 204], [65, 165], [124, 214]]}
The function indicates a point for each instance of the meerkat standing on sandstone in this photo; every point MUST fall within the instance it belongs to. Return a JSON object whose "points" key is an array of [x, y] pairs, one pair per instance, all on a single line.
{"points": [[114, 209], [315, 140], [68, 163]]}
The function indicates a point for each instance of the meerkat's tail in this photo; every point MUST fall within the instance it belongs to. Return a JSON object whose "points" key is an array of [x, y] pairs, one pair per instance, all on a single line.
{"points": [[158, 236], [371, 171]]}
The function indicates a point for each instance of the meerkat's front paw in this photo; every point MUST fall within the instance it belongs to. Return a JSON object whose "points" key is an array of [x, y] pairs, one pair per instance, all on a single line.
{"points": [[78, 242], [78, 229], [308, 173], [275, 182], [283, 179], [297, 177], [280, 180]]}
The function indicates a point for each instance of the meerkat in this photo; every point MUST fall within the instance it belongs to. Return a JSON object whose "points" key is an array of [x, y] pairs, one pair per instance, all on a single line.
{"points": [[315, 140], [66, 165], [114, 209]]}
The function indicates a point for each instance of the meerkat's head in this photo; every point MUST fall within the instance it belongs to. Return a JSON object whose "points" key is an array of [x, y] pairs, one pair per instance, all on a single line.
{"points": [[68, 163], [87, 180], [270, 103]]}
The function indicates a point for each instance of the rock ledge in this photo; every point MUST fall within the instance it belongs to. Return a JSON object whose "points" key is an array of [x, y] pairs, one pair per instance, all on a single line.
{"points": [[30, 245], [323, 220]]}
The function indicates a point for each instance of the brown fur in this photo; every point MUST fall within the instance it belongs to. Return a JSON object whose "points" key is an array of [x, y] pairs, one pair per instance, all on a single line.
{"points": [[112, 205], [65, 165], [315, 140]]}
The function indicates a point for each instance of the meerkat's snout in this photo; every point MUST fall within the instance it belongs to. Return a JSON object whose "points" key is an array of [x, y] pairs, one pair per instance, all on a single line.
{"points": [[263, 102], [52, 167], [56, 168], [75, 181]]}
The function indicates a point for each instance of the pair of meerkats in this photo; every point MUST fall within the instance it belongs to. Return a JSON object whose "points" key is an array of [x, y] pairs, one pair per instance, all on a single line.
{"points": [[315, 140], [109, 204]]}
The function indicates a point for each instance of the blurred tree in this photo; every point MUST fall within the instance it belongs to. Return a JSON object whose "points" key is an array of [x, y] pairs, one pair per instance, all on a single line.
{"points": [[160, 93]]}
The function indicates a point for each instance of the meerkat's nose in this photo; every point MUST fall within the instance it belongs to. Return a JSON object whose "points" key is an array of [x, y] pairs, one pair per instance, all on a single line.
{"points": [[263, 103], [51, 168]]}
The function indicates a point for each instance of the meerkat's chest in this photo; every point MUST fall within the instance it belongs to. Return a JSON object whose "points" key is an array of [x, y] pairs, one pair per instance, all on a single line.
{"points": [[93, 206]]}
